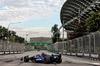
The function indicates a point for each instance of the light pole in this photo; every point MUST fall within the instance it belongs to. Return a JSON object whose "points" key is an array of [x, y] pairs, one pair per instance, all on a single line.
{"points": [[8, 30], [26, 37]]}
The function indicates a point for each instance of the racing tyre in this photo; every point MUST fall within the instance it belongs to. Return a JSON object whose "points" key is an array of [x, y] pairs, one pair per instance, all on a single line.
{"points": [[46, 60], [26, 59], [58, 60]]}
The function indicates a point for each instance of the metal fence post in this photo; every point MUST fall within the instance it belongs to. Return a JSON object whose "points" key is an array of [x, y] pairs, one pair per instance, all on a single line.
{"points": [[65, 45], [89, 44], [82, 44], [85, 44], [99, 38], [71, 45], [77, 44], [94, 42]]}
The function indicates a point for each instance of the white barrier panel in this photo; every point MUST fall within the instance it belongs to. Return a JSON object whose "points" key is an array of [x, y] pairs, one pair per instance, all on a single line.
{"points": [[64, 52], [80, 54], [15, 52], [94, 55], [86, 55], [6, 52], [73, 53], [1, 52], [22, 52], [60, 52], [18, 52], [11, 52], [68, 53]]}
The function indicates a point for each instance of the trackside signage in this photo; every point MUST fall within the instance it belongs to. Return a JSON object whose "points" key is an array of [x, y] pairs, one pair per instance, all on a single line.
{"points": [[38, 43], [94, 55]]}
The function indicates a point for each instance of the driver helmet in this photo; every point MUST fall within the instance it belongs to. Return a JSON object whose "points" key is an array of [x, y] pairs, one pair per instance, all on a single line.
{"points": [[42, 53]]}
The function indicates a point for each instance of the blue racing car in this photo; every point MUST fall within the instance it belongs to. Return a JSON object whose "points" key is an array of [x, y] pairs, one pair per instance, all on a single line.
{"points": [[45, 58]]}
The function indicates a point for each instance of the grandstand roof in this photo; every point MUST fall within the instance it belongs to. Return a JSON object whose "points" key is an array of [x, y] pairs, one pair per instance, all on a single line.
{"points": [[73, 9]]}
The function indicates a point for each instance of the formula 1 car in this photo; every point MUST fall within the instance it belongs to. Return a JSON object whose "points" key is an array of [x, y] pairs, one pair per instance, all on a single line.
{"points": [[45, 58]]}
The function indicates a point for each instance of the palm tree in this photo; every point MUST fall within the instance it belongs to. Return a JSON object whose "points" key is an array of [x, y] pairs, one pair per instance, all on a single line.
{"points": [[57, 35]]}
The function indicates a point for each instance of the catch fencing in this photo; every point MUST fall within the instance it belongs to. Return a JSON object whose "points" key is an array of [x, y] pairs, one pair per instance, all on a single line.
{"points": [[87, 46], [12, 47]]}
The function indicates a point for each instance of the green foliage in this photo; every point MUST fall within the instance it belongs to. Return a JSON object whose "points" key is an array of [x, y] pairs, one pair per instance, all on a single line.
{"points": [[65, 39], [12, 38], [60, 40], [12, 35], [29, 50], [57, 35], [91, 25], [54, 51], [54, 28], [92, 22]]}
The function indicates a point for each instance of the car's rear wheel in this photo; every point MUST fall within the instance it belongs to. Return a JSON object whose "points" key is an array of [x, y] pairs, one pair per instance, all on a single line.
{"points": [[46, 60], [58, 60]]}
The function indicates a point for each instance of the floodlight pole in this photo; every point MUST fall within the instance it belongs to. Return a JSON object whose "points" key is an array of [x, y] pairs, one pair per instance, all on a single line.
{"points": [[8, 30], [26, 37]]}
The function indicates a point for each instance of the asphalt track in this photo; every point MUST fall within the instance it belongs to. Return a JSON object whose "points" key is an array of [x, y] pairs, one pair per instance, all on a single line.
{"points": [[14, 60]]}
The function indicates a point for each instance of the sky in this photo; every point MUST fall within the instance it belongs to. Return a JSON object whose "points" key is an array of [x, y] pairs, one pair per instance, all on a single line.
{"points": [[36, 16]]}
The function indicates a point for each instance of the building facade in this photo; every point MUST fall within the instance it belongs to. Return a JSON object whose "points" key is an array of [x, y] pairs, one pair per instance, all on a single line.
{"points": [[40, 42]]}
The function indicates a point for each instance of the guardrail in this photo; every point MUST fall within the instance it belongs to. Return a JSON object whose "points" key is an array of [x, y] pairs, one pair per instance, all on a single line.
{"points": [[94, 56]]}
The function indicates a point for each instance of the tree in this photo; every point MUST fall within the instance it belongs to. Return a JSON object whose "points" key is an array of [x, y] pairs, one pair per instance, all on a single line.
{"points": [[93, 21], [3, 32], [12, 38], [91, 25], [56, 36], [12, 35]]}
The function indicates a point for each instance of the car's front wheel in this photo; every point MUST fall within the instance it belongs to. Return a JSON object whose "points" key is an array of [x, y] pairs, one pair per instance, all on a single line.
{"points": [[58, 60], [33, 61], [26, 59]]}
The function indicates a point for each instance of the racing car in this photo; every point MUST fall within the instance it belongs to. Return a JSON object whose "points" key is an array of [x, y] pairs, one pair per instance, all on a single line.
{"points": [[44, 58]]}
